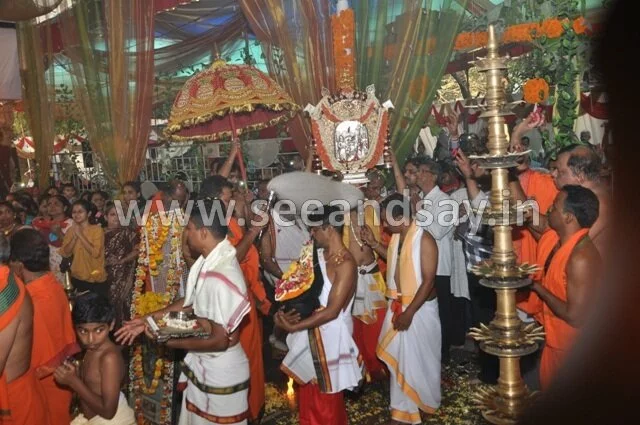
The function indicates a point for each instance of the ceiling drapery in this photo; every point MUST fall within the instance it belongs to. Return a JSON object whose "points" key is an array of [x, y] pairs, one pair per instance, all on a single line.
{"points": [[116, 101], [38, 92], [296, 40], [402, 47]]}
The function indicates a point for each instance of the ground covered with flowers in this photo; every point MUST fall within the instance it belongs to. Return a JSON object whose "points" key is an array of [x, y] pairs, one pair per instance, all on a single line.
{"points": [[370, 407]]}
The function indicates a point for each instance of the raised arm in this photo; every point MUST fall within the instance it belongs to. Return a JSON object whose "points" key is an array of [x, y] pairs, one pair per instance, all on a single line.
{"points": [[464, 165], [397, 172], [267, 255], [368, 236], [225, 169]]}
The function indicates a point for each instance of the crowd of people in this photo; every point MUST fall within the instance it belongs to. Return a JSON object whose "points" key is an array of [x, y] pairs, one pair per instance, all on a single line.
{"points": [[395, 293]]}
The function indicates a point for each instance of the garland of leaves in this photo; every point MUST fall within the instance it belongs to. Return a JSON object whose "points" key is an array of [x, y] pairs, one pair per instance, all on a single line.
{"points": [[566, 97]]}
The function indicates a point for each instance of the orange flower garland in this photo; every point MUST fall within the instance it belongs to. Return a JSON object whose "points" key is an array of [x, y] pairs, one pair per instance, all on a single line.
{"points": [[343, 30], [536, 90], [552, 28], [520, 33], [580, 26]]}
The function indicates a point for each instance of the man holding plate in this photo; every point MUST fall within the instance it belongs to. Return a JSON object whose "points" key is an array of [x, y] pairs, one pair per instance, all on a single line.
{"points": [[215, 375]]}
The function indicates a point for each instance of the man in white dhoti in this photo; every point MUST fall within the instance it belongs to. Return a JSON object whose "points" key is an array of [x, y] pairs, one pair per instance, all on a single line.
{"points": [[410, 341], [215, 374], [323, 358]]}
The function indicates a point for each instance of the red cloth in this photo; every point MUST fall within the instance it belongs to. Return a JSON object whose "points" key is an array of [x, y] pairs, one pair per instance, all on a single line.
{"points": [[54, 340], [44, 226], [251, 328], [316, 408], [366, 338]]}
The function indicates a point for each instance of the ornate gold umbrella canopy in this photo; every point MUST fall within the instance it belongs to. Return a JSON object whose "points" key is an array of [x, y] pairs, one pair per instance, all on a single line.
{"points": [[225, 101]]}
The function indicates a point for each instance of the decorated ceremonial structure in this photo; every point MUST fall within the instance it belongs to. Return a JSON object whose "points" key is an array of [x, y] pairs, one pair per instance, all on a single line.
{"points": [[351, 128], [160, 274], [506, 336]]}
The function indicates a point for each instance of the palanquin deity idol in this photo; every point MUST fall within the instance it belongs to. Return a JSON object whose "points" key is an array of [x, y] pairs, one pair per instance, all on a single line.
{"points": [[350, 130]]}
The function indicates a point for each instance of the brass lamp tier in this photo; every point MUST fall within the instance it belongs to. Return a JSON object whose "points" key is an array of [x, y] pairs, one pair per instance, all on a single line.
{"points": [[508, 160], [503, 217], [506, 337]]}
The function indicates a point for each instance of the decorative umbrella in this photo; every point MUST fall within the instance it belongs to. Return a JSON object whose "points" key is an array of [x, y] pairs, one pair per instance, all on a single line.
{"points": [[26, 148], [225, 101]]}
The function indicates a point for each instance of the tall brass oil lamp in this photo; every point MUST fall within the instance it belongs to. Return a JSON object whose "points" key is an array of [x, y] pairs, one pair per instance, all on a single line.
{"points": [[506, 337]]}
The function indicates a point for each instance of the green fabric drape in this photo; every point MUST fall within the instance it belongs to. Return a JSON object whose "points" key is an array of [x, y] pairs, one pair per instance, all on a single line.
{"points": [[116, 101], [403, 47], [296, 40], [38, 91]]}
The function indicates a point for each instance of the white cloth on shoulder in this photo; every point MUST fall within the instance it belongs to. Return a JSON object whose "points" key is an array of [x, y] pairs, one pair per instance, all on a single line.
{"points": [[326, 355], [217, 383], [216, 288]]}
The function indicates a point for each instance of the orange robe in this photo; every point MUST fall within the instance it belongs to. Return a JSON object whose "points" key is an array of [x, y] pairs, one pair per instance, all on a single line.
{"points": [[559, 335], [251, 328], [21, 400], [54, 339], [541, 188]]}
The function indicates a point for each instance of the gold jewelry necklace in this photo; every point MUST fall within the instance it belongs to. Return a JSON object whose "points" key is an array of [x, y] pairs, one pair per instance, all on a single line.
{"points": [[353, 232], [334, 257]]}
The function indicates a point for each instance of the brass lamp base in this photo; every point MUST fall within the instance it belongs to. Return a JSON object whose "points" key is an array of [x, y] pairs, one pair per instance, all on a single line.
{"points": [[499, 410]]}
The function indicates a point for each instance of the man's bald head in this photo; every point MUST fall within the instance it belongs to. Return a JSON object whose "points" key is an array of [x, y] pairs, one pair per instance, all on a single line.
{"points": [[577, 164]]}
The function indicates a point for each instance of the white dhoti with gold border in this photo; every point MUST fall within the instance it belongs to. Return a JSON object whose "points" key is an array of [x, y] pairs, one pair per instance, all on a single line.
{"points": [[326, 355], [413, 358]]}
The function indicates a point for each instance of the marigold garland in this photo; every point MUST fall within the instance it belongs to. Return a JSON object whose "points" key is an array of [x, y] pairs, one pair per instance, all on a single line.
{"points": [[343, 30], [580, 26], [146, 302], [535, 90], [521, 33]]}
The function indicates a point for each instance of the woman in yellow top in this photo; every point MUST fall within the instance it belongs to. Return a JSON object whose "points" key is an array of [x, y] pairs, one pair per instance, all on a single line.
{"points": [[84, 241]]}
